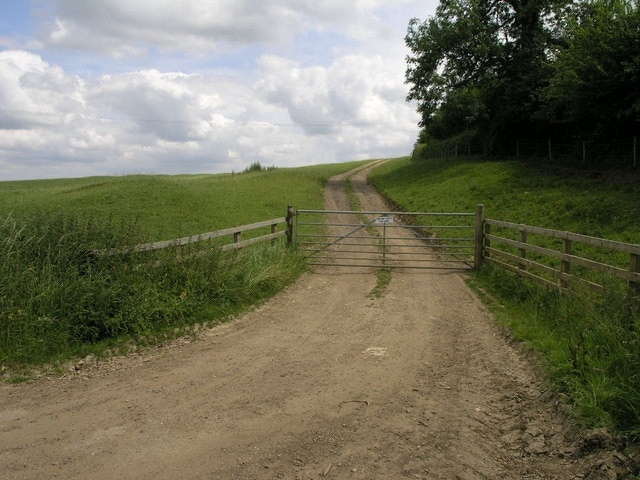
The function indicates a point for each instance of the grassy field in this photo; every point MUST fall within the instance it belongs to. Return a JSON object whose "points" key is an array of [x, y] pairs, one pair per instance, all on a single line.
{"points": [[168, 207], [589, 344], [58, 301]]}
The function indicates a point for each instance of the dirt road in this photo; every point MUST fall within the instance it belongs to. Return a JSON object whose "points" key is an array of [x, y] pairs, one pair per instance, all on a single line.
{"points": [[323, 381]]}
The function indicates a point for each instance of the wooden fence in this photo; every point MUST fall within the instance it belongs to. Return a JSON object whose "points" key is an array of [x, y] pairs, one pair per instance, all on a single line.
{"points": [[233, 234], [556, 258], [551, 257]]}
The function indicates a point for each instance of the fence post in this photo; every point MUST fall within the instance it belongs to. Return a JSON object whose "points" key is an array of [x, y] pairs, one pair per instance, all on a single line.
{"points": [[634, 266], [565, 265], [479, 237], [523, 251], [290, 216]]}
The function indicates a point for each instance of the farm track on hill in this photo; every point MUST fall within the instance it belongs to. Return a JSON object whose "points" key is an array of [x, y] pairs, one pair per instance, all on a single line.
{"points": [[322, 381]]}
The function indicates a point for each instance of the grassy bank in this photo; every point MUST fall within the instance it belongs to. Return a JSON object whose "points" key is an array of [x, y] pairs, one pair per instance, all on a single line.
{"points": [[590, 344], [58, 301], [167, 206], [587, 202]]}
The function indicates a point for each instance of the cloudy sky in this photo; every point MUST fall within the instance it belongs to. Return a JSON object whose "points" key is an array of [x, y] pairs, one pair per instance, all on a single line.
{"points": [[114, 87]]}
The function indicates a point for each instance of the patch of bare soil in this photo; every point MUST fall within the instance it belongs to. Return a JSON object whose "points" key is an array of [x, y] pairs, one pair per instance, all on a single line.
{"points": [[323, 381]]}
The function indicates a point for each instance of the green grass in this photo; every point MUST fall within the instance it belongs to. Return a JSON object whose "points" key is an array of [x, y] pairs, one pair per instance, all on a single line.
{"points": [[58, 300], [581, 202], [168, 207], [590, 344], [383, 279]]}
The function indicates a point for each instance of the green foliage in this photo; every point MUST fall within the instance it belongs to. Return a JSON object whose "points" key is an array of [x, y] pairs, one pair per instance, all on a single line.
{"points": [[257, 167], [590, 344], [478, 65], [512, 70], [461, 111], [57, 297], [595, 88]]}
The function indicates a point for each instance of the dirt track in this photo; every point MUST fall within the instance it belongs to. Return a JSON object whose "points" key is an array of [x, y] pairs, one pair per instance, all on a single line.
{"points": [[323, 381]]}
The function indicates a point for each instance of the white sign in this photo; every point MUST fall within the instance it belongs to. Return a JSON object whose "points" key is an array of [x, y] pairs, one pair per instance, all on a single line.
{"points": [[384, 219]]}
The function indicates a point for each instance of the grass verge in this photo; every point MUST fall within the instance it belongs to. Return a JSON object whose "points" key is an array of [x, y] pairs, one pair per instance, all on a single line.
{"points": [[383, 279]]}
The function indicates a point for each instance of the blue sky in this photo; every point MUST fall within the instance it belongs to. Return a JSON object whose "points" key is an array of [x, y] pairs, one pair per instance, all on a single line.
{"points": [[112, 87]]}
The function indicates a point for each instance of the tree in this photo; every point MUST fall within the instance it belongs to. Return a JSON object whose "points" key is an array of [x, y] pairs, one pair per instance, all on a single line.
{"points": [[460, 112], [595, 88], [497, 49], [454, 50]]}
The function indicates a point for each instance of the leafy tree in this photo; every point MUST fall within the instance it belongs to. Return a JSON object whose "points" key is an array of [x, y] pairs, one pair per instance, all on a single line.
{"points": [[460, 112], [455, 49], [495, 49], [595, 88]]}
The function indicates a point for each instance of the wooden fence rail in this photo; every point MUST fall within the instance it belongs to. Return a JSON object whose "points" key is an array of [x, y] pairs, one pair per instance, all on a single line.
{"points": [[556, 263], [234, 232]]}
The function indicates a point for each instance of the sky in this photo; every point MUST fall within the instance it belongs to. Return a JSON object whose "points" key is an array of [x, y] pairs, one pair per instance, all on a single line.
{"points": [[121, 87]]}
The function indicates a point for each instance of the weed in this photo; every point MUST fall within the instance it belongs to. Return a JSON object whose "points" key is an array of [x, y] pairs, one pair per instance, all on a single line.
{"points": [[383, 279]]}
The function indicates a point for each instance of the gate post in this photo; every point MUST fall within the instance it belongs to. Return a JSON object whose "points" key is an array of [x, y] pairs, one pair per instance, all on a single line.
{"points": [[290, 216], [479, 237]]}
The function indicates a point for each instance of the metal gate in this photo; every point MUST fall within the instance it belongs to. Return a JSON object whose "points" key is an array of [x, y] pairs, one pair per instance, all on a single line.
{"points": [[387, 239]]}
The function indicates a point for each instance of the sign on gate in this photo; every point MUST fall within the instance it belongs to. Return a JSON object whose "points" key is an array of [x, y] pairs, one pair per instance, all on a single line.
{"points": [[383, 220]]}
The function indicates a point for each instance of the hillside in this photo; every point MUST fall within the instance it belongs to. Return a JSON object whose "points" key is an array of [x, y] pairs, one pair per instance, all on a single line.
{"points": [[170, 206], [587, 202]]}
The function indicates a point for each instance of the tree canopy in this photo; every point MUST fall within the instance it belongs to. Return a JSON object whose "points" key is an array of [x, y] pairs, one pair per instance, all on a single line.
{"points": [[525, 68]]}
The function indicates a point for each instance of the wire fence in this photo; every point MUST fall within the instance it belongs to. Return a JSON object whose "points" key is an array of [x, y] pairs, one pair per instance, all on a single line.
{"points": [[614, 154]]}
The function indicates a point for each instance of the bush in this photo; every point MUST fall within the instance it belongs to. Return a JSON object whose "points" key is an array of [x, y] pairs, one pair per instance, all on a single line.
{"points": [[257, 167]]}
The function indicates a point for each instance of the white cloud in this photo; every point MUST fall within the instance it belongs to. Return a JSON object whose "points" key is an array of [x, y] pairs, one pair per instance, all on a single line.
{"points": [[355, 90], [152, 122], [166, 105], [284, 82], [125, 27], [33, 93]]}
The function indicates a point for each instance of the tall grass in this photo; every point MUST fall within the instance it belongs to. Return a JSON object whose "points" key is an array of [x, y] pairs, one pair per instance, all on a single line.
{"points": [[58, 299], [590, 344]]}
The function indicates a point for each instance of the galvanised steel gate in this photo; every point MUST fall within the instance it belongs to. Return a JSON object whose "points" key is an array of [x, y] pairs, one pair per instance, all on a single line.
{"points": [[388, 239]]}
